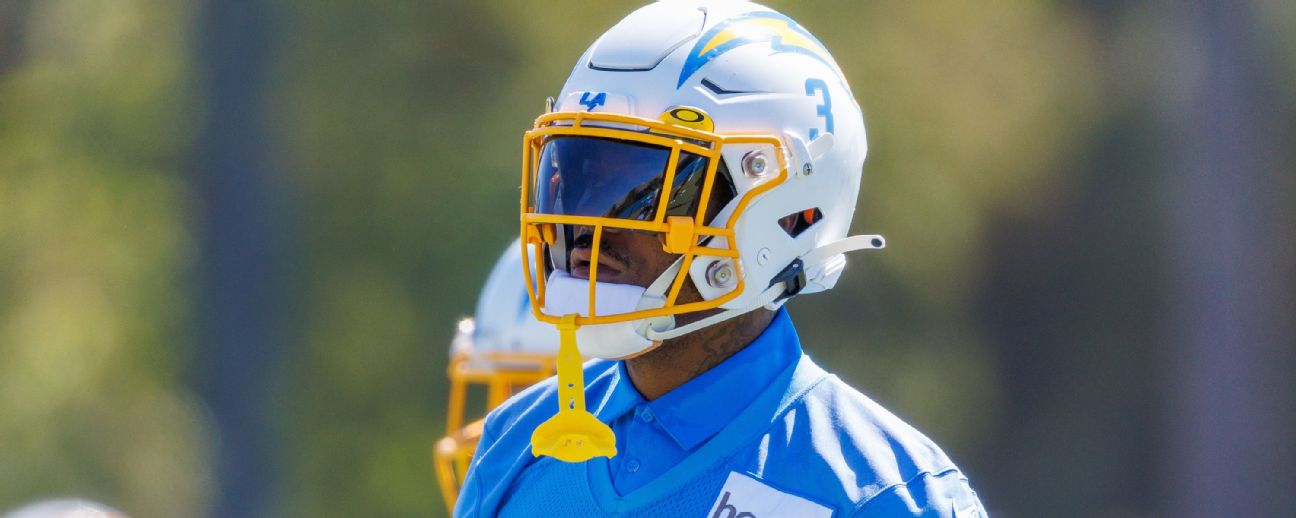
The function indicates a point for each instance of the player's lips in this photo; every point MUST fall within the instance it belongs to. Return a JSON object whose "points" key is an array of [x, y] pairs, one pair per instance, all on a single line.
{"points": [[609, 269]]}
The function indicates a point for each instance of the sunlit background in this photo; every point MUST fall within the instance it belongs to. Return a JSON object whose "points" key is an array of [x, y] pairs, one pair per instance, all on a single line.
{"points": [[235, 237]]}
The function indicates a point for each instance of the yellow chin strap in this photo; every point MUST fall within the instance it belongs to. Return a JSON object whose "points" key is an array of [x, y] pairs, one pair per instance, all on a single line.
{"points": [[573, 434]]}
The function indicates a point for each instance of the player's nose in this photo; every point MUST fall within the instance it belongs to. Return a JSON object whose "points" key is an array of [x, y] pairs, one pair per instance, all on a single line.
{"points": [[583, 235]]}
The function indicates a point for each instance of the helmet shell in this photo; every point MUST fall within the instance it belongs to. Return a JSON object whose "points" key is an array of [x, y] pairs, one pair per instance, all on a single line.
{"points": [[503, 322], [753, 71]]}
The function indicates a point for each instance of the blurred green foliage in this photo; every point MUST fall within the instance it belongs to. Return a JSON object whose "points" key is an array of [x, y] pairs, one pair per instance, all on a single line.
{"points": [[95, 117], [398, 126]]}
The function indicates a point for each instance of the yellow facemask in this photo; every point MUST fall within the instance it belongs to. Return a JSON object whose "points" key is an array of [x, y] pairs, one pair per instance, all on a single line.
{"points": [[562, 171]]}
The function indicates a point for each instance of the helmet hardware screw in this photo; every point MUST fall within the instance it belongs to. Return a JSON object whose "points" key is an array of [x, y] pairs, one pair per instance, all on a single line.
{"points": [[755, 164], [763, 256], [807, 169], [720, 274]]}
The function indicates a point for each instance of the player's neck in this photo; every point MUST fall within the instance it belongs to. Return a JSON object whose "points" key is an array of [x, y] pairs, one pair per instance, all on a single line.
{"points": [[681, 359]]}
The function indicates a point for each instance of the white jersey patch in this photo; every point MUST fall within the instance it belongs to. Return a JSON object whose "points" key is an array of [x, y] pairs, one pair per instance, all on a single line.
{"points": [[745, 497]]}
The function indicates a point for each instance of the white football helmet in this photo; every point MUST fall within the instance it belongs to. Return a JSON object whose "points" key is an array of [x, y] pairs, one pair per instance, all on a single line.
{"points": [[65, 508], [725, 102], [502, 348]]}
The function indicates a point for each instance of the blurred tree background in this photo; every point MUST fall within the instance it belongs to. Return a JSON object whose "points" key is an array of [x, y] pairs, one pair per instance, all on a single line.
{"points": [[95, 117], [1020, 157]]}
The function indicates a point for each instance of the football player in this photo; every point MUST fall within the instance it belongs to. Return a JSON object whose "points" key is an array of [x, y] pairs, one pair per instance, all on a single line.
{"points": [[699, 168]]}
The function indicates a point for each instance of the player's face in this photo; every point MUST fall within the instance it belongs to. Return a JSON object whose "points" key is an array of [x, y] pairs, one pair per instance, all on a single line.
{"points": [[620, 180], [628, 257], [625, 257]]}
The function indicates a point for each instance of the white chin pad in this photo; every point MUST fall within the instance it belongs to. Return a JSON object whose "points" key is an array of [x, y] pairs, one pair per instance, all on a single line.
{"points": [[565, 295]]}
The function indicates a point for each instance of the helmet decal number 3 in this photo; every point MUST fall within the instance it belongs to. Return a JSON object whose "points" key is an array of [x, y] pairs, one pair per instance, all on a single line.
{"points": [[824, 109]]}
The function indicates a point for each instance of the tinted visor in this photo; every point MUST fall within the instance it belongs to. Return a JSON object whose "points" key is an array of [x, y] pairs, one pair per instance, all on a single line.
{"points": [[590, 176]]}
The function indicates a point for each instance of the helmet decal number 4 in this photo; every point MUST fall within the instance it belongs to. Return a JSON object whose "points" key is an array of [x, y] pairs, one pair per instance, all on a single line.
{"points": [[591, 100], [824, 109]]}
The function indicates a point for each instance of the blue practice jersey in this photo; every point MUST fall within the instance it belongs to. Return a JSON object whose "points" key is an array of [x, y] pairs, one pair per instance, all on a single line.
{"points": [[767, 433]]}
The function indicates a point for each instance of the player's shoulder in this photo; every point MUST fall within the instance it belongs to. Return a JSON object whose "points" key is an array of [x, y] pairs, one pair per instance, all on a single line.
{"points": [[539, 401], [836, 413], [849, 451]]}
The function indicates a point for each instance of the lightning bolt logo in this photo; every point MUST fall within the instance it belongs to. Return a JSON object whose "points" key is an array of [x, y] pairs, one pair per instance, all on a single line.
{"points": [[782, 33]]}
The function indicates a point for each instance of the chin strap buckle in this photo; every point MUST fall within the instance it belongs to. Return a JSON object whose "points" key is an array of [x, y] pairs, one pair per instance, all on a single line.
{"points": [[793, 278]]}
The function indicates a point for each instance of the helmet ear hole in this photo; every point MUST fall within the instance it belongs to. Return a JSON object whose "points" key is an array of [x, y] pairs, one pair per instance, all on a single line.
{"points": [[798, 222]]}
